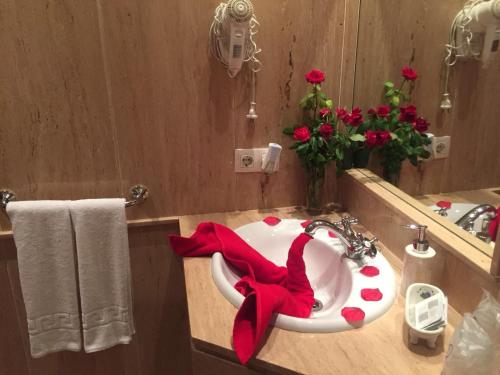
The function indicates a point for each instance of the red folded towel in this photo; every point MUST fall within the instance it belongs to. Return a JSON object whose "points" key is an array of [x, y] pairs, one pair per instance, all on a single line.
{"points": [[493, 228], [267, 288], [211, 238]]}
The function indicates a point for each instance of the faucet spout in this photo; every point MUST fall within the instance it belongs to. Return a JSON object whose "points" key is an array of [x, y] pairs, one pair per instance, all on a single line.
{"points": [[356, 244], [467, 221]]}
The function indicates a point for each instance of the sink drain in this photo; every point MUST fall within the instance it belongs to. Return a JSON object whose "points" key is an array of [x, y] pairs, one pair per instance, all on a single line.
{"points": [[318, 305]]}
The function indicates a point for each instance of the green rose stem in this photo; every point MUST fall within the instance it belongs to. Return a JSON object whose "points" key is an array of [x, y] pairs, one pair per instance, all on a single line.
{"points": [[316, 100]]}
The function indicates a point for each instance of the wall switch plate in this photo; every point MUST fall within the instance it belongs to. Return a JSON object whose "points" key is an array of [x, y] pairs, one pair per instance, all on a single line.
{"points": [[441, 147], [248, 160]]}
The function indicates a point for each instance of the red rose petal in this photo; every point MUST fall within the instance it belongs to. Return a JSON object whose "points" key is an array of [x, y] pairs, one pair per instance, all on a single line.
{"points": [[369, 271], [271, 220], [331, 234], [353, 314], [444, 204], [306, 223], [371, 294]]}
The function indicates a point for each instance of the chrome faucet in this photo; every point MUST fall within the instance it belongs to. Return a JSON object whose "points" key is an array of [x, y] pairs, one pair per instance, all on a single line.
{"points": [[357, 245], [467, 221]]}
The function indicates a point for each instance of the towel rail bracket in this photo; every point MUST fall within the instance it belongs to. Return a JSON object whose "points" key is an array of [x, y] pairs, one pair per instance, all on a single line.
{"points": [[6, 196], [138, 194]]}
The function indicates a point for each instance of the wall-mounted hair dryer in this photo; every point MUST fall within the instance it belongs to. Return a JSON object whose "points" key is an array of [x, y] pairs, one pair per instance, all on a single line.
{"points": [[232, 42], [485, 31], [233, 34], [474, 34]]}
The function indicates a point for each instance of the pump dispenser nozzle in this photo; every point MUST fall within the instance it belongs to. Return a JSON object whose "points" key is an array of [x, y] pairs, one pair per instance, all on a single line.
{"points": [[420, 244]]}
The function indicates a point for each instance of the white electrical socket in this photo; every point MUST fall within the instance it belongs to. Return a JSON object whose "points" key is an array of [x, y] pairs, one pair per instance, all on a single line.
{"points": [[248, 160], [441, 147]]}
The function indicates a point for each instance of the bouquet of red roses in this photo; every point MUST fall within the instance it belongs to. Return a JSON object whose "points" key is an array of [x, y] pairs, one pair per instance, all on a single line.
{"points": [[317, 139], [393, 129]]}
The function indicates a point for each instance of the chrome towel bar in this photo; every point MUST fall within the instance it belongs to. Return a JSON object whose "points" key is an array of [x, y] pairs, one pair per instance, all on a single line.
{"points": [[138, 194]]}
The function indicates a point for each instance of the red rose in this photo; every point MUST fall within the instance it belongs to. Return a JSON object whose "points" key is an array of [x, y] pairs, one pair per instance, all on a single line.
{"points": [[315, 76], [302, 134], [383, 111], [371, 138], [383, 137], [408, 114], [421, 125], [409, 74], [377, 138], [341, 114], [372, 112], [355, 118], [326, 131], [325, 112]]}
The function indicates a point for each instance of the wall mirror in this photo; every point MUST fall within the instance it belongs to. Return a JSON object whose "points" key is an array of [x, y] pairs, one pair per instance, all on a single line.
{"points": [[414, 33]]}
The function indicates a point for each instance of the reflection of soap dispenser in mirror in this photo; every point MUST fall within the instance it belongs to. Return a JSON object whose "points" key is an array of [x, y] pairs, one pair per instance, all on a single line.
{"points": [[417, 267]]}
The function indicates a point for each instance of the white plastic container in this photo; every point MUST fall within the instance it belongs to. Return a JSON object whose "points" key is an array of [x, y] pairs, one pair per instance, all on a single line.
{"points": [[418, 292]]}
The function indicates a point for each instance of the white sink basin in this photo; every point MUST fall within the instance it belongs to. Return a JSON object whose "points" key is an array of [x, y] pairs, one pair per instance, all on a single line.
{"points": [[335, 279], [458, 210]]}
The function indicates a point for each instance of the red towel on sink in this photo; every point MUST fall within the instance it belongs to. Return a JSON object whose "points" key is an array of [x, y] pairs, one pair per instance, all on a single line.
{"points": [[493, 228], [267, 288]]}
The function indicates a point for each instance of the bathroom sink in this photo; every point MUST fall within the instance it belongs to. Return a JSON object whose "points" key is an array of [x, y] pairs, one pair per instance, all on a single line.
{"points": [[336, 280], [458, 210]]}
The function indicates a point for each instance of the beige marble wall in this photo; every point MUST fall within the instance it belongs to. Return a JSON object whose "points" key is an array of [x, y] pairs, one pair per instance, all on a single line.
{"points": [[96, 96]]}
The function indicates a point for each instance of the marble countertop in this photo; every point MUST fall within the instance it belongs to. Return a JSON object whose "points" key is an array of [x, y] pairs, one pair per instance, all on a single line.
{"points": [[380, 347]]}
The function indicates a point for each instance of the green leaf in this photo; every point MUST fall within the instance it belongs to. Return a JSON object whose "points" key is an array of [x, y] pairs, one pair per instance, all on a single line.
{"points": [[394, 136], [303, 147], [305, 99], [389, 93], [339, 154], [320, 158], [357, 138], [329, 103], [288, 131], [388, 85]]}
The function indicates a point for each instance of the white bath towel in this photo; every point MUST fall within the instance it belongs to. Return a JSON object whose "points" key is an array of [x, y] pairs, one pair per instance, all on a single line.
{"points": [[45, 253], [104, 272]]}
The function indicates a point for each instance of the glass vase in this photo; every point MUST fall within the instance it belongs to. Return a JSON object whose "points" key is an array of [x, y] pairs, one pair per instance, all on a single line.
{"points": [[391, 174], [361, 157], [315, 187]]}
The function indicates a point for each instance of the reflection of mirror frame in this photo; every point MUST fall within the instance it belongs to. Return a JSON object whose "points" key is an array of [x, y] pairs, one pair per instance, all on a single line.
{"points": [[448, 225]]}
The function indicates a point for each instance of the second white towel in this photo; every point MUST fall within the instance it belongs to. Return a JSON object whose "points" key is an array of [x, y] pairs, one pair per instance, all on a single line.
{"points": [[104, 272]]}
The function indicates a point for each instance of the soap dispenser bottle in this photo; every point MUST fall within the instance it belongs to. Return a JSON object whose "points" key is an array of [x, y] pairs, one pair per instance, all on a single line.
{"points": [[418, 258]]}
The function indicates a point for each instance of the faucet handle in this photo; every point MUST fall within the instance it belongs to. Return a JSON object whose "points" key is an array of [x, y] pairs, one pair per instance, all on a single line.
{"points": [[350, 220], [346, 223], [370, 244]]}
